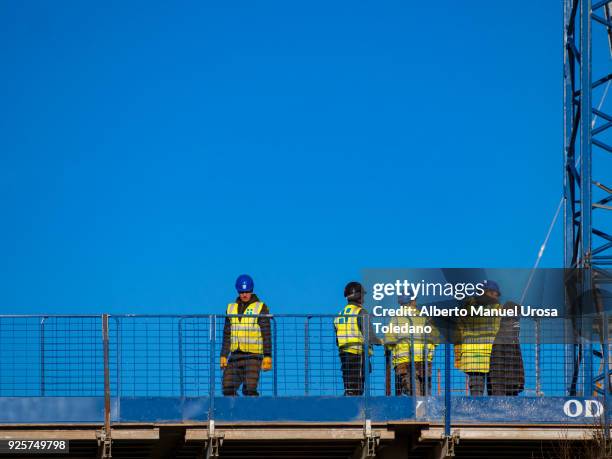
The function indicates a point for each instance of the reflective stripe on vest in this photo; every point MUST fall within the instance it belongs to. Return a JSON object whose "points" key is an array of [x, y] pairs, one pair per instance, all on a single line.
{"points": [[350, 338], [477, 337], [401, 352], [400, 344], [480, 330], [246, 334]]}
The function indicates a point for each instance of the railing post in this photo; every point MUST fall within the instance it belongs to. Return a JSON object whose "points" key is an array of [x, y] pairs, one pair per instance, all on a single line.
{"points": [[447, 388], [366, 367], [366, 355], [274, 359], [538, 376], [426, 378], [211, 396], [588, 359], [105, 350], [306, 355], [180, 356], [119, 348], [413, 378], [387, 372], [42, 356], [413, 391]]}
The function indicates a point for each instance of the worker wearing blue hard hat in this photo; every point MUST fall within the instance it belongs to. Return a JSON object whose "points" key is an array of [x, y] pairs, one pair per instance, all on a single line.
{"points": [[247, 341], [492, 286]]}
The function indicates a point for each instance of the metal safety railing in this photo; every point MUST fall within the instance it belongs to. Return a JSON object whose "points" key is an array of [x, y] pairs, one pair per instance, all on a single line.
{"points": [[179, 356], [165, 355]]}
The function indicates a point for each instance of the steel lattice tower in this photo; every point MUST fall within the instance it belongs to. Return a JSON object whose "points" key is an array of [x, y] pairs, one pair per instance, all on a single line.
{"points": [[587, 144]]}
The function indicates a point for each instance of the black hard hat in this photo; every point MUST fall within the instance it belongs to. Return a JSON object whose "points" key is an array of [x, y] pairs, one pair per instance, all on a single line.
{"points": [[353, 290]]}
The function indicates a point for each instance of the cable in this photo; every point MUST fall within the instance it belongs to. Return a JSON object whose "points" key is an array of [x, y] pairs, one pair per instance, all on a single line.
{"points": [[541, 251], [554, 220]]}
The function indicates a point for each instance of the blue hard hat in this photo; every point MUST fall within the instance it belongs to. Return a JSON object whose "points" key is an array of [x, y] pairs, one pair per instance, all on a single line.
{"points": [[492, 285], [404, 299], [244, 283]]}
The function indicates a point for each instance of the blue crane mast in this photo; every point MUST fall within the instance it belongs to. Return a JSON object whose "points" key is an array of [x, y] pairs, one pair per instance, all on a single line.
{"points": [[587, 143]]}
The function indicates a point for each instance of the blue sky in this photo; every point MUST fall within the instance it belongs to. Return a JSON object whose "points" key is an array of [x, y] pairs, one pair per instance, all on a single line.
{"points": [[151, 152]]}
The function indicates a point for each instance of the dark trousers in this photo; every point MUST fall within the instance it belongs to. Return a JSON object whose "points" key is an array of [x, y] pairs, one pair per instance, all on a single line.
{"points": [[477, 383], [353, 374], [501, 388], [403, 379], [242, 370]]}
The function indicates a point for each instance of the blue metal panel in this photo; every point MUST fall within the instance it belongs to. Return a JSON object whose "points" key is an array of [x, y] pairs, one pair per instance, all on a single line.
{"points": [[266, 409], [466, 410], [513, 410], [44, 410], [164, 409], [314, 409]]}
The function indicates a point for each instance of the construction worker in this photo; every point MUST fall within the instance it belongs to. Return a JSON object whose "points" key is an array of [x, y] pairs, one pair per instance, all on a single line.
{"points": [[349, 326], [475, 337], [247, 342], [507, 373], [399, 340]]}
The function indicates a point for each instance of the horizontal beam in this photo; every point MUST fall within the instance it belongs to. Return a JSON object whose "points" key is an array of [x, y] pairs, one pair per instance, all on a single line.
{"points": [[135, 434], [601, 20], [599, 4], [58, 434], [77, 434], [286, 434], [602, 145], [510, 433]]}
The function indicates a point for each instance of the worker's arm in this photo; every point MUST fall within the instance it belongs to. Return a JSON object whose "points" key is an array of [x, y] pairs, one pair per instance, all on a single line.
{"points": [[373, 339], [266, 334]]}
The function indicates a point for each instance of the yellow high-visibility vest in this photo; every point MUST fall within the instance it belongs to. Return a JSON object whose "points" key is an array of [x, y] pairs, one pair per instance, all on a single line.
{"points": [[400, 344], [246, 334], [476, 342], [350, 338], [400, 352]]}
